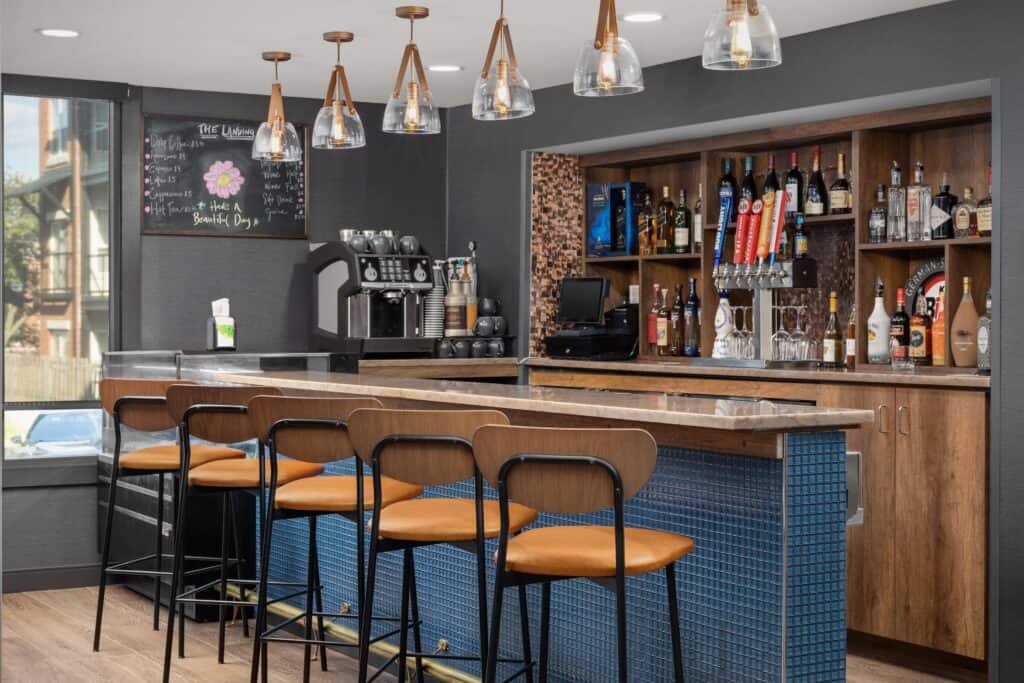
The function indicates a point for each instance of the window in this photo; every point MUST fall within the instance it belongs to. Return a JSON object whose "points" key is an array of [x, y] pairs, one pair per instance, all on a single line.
{"points": [[56, 217]]}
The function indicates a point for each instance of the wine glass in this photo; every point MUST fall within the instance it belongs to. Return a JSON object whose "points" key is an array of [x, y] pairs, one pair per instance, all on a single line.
{"points": [[780, 338]]}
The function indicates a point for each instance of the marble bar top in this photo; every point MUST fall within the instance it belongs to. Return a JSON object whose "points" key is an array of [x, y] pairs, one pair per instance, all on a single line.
{"points": [[658, 409]]}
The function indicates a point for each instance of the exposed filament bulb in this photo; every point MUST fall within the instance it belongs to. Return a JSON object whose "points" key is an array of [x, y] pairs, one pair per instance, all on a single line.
{"points": [[412, 107]]}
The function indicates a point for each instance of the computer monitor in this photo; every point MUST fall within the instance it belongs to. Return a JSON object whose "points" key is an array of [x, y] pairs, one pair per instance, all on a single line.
{"points": [[581, 300]]}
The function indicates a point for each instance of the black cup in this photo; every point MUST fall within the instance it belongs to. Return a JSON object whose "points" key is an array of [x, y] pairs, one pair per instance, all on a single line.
{"points": [[499, 325], [484, 326], [496, 348], [488, 307], [445, 349], [461, 348], [479, 348]]}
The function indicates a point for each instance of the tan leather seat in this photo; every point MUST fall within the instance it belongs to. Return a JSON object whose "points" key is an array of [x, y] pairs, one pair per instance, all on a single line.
{"points": [[168, 456], [447, 520], [245, 474], [590, 550], [337, 493]]}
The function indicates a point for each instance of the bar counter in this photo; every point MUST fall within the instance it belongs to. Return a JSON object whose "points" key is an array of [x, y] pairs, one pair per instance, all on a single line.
{"points": [[759, 486]]}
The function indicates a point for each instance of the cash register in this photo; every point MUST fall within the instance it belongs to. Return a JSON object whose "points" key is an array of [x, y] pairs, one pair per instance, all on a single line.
{"points": [[590, 333]]}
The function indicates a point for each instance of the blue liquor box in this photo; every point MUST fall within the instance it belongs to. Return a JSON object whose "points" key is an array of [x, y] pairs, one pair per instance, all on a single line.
{"points": [[612, 211]]}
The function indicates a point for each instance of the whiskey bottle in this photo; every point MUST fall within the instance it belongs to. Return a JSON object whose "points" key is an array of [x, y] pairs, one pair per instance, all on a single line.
{"points": [[652, 322], [691, 322], [896, 211], [851, 339], [794, 187], [919, 203], [771, 181], [965, 216], [676, 321], [800, 243], [816, 203], [666, 220], [683, 226], [921, 334], [840, 196], [619, 226], [942, 212], [748, 190], [646, 224], [965, 330], [832, 343], [985, 337], [939, 330], [877, 221], [727, 187], [878, 329], [985, 210], [698, 220], [899, 334], [664, 326]]}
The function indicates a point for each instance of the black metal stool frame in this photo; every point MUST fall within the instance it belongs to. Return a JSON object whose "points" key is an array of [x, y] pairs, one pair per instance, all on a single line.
{"points": [[505, 578], [313, 586], [179, 596], [379, 545], [128, 567]]}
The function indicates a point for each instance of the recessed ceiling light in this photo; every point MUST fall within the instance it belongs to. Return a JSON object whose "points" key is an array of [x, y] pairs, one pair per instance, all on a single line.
{"points": [[57, 32], [643, 17], [444, 68]]}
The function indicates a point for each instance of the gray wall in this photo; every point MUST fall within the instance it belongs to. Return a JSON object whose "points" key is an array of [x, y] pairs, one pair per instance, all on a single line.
{"points": [[395, 181], [950, 43]]}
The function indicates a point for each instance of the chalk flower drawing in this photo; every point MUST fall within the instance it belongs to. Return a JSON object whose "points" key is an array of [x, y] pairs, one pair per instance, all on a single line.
{"points": [[223, 179]]}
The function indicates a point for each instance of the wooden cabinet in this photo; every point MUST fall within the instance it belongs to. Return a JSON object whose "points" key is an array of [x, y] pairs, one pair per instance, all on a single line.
{"points": [[916, 568]]}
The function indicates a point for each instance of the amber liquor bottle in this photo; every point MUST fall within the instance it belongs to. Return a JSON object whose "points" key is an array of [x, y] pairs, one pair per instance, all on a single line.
{"points": [[676, 321], [921, 333], [664, 326]]}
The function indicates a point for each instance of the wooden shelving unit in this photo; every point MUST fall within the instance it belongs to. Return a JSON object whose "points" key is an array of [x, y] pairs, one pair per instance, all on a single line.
{"points": [[953, 138]]}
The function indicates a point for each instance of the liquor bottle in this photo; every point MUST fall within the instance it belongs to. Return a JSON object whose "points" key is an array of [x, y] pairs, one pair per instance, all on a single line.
{"points": [[727, 187], [896, 211], [919, 203], [899, 334], [664, 326], [800, 243], [683, 227], [965, 330], [748, 190], [878, 329], [921, 334], [786, 240], [985, 210], [646, 225], [942, 212], [691, 322], [676, 320], [771, 181], [698, 220], [939, 330], [851, 339], [816, 203], [840, 196], [794, 187], [666, 220], [877, 221], [965, 216], [985, 337], [619, 226], [724, 325], [652, 322], [832, 343]]}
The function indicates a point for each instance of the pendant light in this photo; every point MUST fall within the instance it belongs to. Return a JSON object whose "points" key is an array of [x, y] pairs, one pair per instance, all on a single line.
{"points": [[609, 65], [741, 37], [337, 124], [276, 139], [501, 90], [412, 112]]}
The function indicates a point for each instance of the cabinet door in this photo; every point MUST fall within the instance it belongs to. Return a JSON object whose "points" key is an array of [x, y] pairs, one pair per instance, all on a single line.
{"points": [[941, 465], [870, 547]]}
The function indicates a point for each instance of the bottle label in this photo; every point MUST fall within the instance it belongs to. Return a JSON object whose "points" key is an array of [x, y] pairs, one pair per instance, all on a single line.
{"points": [[962, 219], [918, 342], [840, 199], [652, 328], [792, 202], [662, 332], [982, 340], [829, 350], [682, 238], [985, 220], [913, 207], [939, 216], [851, 348], [814, 208], [800, 246]]}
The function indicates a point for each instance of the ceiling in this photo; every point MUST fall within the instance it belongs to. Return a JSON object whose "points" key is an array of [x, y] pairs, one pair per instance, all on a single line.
{"points": [[215, 44]]}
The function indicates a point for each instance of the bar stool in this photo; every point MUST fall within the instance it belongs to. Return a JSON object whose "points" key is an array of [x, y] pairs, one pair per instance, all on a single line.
{"points": [[312, 430], [216, 414], [428, 448], [575, 471], [141, 405]]}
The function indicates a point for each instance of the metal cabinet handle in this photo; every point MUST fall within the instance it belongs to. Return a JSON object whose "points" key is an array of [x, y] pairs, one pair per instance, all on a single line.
{"points": [[880, 413], [899, 420]]}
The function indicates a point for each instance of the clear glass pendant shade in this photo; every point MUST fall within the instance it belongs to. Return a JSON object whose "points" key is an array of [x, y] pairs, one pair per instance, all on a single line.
{"points": [[336, 128], [612, 70], [411, 113], [504, 94], [736, 40], [277, 142]]}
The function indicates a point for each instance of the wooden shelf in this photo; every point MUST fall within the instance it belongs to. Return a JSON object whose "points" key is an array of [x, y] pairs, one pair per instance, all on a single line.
{"points": [[808, 220], [611, 260], [671, 257], [932, 245]]}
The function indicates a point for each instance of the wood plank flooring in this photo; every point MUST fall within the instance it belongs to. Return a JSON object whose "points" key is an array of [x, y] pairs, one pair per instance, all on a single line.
{"points": [[47, 636]]}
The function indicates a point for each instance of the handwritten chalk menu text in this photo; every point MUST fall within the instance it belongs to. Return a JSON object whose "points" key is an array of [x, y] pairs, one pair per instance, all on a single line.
{"points": [[199, 178]]}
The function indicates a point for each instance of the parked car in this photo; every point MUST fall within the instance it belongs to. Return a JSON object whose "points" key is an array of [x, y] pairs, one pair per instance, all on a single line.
{"points": [[58, 433]]}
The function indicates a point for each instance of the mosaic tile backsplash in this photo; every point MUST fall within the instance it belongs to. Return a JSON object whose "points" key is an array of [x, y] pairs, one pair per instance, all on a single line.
{"points": [[770, 556]]}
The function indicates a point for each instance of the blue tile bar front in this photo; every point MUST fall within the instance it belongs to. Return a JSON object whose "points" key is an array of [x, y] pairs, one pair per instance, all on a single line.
{"points": [[762, 597]]}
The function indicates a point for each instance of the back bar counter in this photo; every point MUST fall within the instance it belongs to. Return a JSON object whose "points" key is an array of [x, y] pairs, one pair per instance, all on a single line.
{"points": [[759, 486]]}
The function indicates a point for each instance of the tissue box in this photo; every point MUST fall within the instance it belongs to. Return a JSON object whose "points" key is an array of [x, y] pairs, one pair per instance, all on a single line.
{"points": [[612, 210]]}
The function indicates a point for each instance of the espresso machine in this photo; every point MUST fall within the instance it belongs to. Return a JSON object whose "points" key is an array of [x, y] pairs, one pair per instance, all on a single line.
{"points": [[369, 302]]}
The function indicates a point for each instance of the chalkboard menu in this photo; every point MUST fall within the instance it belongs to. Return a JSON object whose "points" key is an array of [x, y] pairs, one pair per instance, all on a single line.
{"points": [[199, 178]]}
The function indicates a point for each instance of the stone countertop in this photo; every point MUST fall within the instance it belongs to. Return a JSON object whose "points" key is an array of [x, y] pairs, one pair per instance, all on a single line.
{"points": [[442, 368], [954, 378], [660, 409]]}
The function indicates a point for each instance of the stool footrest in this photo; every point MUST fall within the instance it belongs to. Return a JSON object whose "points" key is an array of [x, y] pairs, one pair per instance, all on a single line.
{"points": [[391, 660], [189, 595]]}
